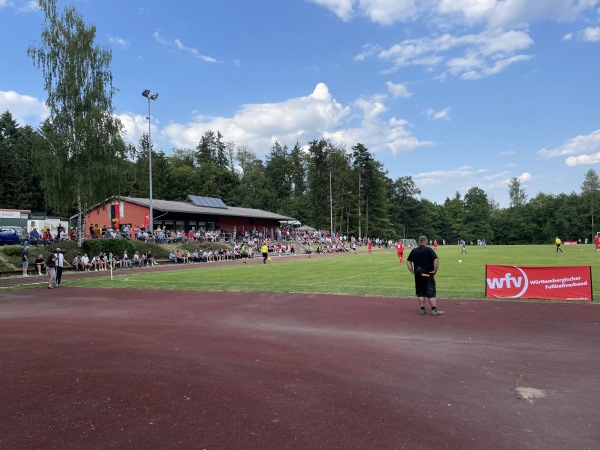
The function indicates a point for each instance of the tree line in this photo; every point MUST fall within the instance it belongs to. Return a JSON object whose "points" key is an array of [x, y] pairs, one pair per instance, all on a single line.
{"points": [[295, 182], [78, 158]]}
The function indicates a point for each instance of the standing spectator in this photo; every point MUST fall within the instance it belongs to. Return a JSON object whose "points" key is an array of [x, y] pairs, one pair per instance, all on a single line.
{"points": [[423, 263], [51, 270], [60, 260], [59, 231], [92, 232], [25, 259]]}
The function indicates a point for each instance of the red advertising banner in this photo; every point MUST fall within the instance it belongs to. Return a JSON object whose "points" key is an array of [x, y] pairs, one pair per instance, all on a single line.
{"points": [[551, 283]]}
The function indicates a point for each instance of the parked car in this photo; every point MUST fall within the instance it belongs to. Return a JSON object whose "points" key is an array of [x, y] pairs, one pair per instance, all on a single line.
{"points": [[9, 236]]}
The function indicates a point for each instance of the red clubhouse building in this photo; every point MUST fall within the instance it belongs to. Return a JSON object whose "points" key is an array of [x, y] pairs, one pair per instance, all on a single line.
{"points": [[207, 213]]}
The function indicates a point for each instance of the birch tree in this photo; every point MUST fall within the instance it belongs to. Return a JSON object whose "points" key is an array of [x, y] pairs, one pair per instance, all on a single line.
{"points": [[83, 143]]}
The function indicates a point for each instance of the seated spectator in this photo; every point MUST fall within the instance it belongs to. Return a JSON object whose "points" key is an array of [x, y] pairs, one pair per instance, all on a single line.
{"points": [[34, 237], [85, 262], [63, 236], [172, 257], [144, 260], [126, 260], [39, 263], [185, 257], [73, 234], [47, 237], [150, 259], [76, 263], [137, 260], [94, 263]]}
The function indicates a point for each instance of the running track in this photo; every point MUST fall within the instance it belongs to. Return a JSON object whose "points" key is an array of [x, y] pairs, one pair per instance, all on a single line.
{"points": [[117, 368]]}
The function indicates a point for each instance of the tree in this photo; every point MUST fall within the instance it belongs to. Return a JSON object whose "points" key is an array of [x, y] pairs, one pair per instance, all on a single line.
{"points": [[590, 190], [318, 184], [454, 218], [19, 184], [278, 171], [83, 145], [406, 210], [516, 193], [477, 215]]}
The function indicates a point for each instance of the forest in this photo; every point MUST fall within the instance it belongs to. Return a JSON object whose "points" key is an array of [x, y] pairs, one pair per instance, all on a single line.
{"points": [[294, 181]]}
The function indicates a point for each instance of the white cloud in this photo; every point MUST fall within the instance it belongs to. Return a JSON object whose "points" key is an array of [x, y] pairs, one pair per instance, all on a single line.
{"points": [[25, 109], [591, 34], [383, 12], [468, 176], [494, 14], [398, 90], [483, 54], [583, 144], [511, 13], [387, 12], [259, 125], [29, 6], [379, 135], [302, 119], [525, 177], [20, 5], [178, 45], [344, 9], [568, 37], [118, 41], [583, 160], [368, 50], [444, 114]]}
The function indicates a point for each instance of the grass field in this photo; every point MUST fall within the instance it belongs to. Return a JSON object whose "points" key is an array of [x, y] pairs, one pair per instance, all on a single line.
{"points": [[378, 274]]}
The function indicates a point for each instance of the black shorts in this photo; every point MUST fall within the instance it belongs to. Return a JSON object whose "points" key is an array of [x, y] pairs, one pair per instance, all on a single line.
{"points": [[425, 286]]}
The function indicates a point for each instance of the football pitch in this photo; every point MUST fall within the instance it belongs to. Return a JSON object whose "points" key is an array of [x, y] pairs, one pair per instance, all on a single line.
{"points": [[378, 274], [150, 359]]}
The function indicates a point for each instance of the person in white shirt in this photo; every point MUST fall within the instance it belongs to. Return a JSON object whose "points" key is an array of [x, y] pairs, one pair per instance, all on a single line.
{"points": [[85, 262], [60, 261]]}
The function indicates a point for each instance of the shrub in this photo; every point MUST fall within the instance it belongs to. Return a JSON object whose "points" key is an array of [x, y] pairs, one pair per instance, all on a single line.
{"points": [[116, 246]]}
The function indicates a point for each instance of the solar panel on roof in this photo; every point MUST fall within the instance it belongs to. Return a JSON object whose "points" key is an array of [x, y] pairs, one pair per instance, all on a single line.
{"points": [[210, 202]]}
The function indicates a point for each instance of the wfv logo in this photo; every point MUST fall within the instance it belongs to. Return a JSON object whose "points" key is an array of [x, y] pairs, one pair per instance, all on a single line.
{"points": [[508, 279], [507, 283]]}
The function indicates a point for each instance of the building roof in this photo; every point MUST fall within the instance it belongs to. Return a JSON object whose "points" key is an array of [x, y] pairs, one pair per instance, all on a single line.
{"points": [[188, 208]]}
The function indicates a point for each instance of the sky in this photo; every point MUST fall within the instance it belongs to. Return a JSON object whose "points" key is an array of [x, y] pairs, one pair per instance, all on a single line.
{"points": [[453, 93]]}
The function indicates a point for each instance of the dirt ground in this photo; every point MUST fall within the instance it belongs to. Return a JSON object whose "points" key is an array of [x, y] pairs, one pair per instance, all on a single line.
{"points": [[117, 368]]}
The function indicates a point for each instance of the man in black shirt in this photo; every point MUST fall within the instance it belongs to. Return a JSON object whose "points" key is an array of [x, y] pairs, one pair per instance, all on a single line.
{"points": [[424, 263]]}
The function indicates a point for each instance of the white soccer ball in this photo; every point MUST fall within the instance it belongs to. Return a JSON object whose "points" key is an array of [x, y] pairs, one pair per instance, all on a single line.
{"points": [[459, 261]]}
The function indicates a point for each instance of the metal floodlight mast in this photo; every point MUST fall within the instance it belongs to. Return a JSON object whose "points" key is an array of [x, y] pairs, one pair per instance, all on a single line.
{"points": [[146, 93]]}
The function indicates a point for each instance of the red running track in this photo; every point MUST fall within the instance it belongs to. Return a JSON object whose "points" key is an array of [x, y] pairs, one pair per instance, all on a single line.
{"points": [[110, 368]]}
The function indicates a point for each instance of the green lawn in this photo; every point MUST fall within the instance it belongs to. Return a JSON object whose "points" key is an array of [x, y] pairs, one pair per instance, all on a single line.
{"points": [[378, 274]]}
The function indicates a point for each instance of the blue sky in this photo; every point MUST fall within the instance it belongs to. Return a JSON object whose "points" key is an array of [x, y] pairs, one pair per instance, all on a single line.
{"points": [[455, 93]]}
